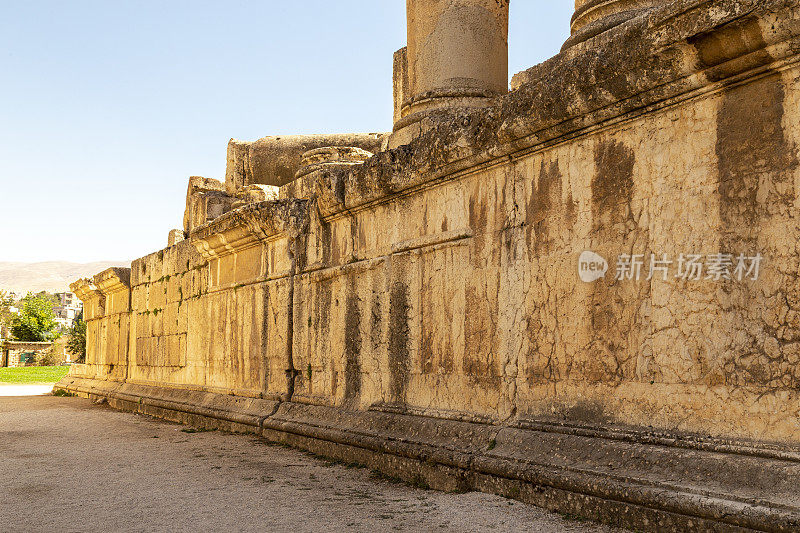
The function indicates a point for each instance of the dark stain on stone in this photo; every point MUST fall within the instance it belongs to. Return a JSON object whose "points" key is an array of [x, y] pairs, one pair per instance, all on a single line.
{"points": [[426, 350], [354, 235], [477, 215], [376, 317], [756, 164], [319, 336], [436, 318], [426, 321], [539, 365], [336, 253], [547, 215], [583, 411], [325, 241], [612, 186], [301, 252], [265, 330], [571, 211], [612, 306], [754, 158], [360, 246], [399, 336], [444, 224], [352, 342], [477, 223], [479, 336]]}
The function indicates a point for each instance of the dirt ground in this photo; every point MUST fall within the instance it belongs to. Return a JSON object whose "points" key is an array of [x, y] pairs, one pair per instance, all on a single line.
{"points": [[68, 465]]}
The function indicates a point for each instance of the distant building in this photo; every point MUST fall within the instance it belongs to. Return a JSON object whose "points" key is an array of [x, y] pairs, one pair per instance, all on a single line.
{"points": [[18, 353], [67, 308]]}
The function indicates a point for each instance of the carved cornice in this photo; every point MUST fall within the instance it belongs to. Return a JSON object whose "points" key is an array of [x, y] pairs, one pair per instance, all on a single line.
{"points": [[85, 289], [113, 280], [249, 226], [93, 299]]}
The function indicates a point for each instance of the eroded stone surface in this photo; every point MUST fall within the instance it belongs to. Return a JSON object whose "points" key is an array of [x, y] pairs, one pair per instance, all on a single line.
{"points": [[440, 277]]}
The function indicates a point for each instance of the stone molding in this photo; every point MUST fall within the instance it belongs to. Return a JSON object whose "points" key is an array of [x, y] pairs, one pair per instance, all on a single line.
{"points": [[249, 226], [92, 297], [113, 280]]}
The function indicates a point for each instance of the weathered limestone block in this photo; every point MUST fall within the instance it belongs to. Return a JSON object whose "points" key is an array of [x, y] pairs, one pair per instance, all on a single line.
{"points": [[250, 225], [171, 261], [164, 284], [250, 253], [320, 158], [206, 200], [251, 194], [275, 160], [314, 164], [114, 284], [175, 236]]}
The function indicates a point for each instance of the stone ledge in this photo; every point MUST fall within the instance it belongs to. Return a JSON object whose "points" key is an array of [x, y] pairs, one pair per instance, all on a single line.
{"points": [[250, 225], [94, 301], [627, 483]]}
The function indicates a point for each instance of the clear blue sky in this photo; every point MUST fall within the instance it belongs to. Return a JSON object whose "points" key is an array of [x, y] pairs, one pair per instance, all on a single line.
{"points": [[108, 106]]}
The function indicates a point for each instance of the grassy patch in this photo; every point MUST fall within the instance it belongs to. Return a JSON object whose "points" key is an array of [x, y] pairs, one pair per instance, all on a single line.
{"points": [[33, 374]]}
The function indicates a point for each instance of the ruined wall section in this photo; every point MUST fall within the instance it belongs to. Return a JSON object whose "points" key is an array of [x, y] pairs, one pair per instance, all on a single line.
{"points": [[163, 286], [448, 268], [440, 278], [107, 314], [211, 313]]}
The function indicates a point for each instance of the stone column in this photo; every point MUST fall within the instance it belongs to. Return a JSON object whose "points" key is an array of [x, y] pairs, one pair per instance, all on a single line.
{"points": [[457, 56], [593, 17]]}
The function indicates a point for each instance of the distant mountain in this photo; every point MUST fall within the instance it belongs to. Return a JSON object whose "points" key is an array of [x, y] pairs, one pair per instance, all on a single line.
{"points": [[50, 276]]}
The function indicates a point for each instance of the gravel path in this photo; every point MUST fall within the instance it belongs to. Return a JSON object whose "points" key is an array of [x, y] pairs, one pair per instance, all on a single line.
{"points": [[68, 465]]}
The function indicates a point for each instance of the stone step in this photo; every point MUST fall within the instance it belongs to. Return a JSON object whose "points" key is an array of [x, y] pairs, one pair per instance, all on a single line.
{"points": [[621, 476]]}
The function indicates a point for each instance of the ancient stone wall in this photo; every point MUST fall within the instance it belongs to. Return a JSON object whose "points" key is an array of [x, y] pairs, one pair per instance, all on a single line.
{"points": [[441, 277], [107, 312]]}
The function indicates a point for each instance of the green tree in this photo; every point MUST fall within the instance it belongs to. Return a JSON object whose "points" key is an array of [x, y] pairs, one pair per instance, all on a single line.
{"points": [[6, 301], [35, 322], [76, 338]]}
